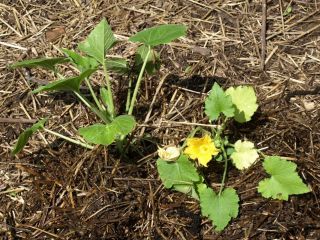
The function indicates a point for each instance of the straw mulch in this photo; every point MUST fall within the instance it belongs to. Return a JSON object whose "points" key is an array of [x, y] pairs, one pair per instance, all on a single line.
{"points": [[56, 190]]}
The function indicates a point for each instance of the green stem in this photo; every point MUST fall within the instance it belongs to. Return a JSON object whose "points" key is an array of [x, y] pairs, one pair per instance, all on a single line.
{"points": [[93, 94], [136, 89], [106, 75], [69, 139], [92, 107], [225, 169], [129, 95]]}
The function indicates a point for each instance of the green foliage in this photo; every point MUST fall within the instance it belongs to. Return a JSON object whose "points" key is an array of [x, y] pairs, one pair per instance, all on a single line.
{"points": [[118, 65], [82, 63], [105, 134], [284, 179], [180, 172], [24, 137], [153, 61], [48, 63], [218, 102], [244, 154], [245, 102], [219, 208], [159, 34], [68, 84], [98, 42]]}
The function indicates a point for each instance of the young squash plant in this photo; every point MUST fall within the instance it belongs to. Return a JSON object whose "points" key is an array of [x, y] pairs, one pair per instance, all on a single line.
{"points": [[113, 127], [179, 173]]}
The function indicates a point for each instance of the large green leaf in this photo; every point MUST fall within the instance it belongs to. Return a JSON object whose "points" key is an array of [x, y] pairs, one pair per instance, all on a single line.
{"points": [[159, 34], [153, 61], [24, 137], [119, 65], [245, 102], [284, 179], [99, 41], [218, 102], [82, 63], [68, 84], [219, 208], [48, 63], [180, 172], [105, 134]]}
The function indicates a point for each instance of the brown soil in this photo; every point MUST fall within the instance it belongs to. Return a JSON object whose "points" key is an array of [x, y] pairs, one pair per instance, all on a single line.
{"points": [[56, 190]]}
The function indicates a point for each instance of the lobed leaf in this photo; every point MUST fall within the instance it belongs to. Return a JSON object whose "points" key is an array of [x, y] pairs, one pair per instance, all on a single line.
{"points": [[105, 134], [48, 63], [98, 42], [159, 34], [284, 179], [244, 154], [68, 84], [218, 102], [24, 137], [245, 102], [219, 208], [180, 172]]}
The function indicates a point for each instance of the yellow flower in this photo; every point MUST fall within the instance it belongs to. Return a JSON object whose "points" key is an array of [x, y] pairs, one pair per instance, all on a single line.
{"points": [[201, 148]]}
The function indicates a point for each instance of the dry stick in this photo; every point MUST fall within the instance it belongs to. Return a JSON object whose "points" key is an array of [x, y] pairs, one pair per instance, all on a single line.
{"points": [[17, 120], [263, 34]]}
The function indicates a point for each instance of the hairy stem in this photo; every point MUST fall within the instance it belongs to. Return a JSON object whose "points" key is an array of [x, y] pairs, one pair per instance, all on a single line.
{"points": [[136, 89], [69, 139]]}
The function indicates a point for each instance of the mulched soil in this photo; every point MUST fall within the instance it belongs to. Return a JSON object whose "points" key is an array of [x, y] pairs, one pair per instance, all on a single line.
{"points": [[56, 190]]}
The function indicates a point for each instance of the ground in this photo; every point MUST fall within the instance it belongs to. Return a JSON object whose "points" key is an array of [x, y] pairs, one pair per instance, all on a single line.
{"points": [[56, 190]]}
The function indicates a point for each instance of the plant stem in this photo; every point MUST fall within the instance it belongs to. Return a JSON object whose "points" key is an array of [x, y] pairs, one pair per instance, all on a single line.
{"points": [[69, 139], [92, 107], [225, 169], [129, 95], [106, 75], [93, 94], [136, 89]]}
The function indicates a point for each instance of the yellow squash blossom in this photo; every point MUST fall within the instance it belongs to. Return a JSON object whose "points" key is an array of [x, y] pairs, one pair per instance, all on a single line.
{"points": [[170, 153], [201, 148]]}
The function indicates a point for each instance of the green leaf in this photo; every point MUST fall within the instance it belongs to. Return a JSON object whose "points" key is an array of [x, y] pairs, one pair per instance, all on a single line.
{"points": [[244, 155], [179, 172], [24, 137], [68, 84], [105, 134], [186, 189], [218, 102], [245, 101], [288, 10], [159, 34], [153, 62], [82, 63], [284, 179], [124, 124], [98, 42], [48, 63], [219, 208], [119, 65]]}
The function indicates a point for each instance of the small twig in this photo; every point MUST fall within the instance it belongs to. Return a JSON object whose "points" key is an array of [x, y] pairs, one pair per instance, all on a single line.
{"points": [[263, 34], [17, 120]]}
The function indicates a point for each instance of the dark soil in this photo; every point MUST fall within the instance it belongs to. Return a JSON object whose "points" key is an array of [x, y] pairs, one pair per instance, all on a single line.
{"points": [[56, 190]]}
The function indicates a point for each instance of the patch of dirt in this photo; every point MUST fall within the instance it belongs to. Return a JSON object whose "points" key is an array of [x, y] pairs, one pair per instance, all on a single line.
{"points": [[55, 190]]}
